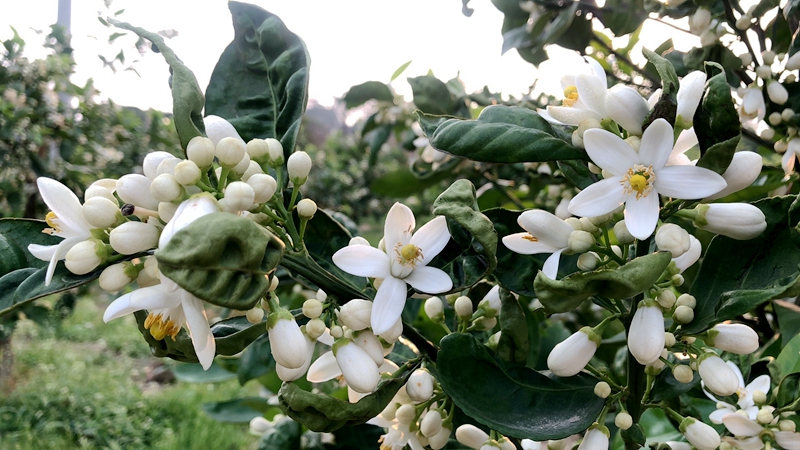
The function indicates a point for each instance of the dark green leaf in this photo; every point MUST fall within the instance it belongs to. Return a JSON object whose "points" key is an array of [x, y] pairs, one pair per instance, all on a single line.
{"points": [[256, 360], [22, 286], [737, 303], [370, 90], [515, 271], [513, 346], [788, 315], [622, 16], [501, 134], [403, 183], [260, 83], [669, 79], [285, 435], [631, 279], [667, 387], [11, 256], [194, 373], [222, 259], [577, 172], [787, 361], [719, 156], [19, 233], [789, 392], [717, 121], [525, 403], [238, 410], [432, 96]]}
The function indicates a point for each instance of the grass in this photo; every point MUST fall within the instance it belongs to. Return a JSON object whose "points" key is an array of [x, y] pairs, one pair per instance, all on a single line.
{"points": [[82, 384]]}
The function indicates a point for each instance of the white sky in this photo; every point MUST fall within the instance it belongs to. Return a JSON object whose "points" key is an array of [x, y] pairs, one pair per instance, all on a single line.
{"points": [[350, 41]]}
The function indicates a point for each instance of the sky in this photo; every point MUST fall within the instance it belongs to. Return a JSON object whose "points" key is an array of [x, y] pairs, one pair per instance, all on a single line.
{"points": [[349, 41]]}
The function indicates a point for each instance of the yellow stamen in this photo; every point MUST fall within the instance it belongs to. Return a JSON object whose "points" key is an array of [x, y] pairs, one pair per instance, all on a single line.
{"points": [[530, 237], [570, 96], [408, 255], [51, 219], [639, 179], [159, 329]]}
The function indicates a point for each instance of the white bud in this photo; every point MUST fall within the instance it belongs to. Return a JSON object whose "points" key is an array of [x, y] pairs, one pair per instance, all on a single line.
{"points": [[218, 128], [355, 314], [672, 238], [258, 150], [187, 173], [420, 386], [463, 307], [777, 93], [627, 107], [708, 37], [624, 236], [747, 59], [101, 212], [602, 389], [440, 439], [780, 146], [623, 421], [588, 124], [358, 368], [684, 374], [763, 72], [135, 189], [702, 436], [315, 328], [687, 300], [471, 436], [669, 339], [491, 304], [229, 152], [666, 298], [165, 188], [200, 150], [133, 237], [286, 374], [718, 376], [255, 315], [306, 208], [646, 335], [775, 118], [394, 333], [431, 424], [743, 23], [312, 308], [167, 210], [239, 196], [167, 166], [298, 166], [259, 425], [587, 225], [787, 114], [689, 94], [735, 338], [264, 187], [793, 63], [700, 20], [434, 308], [562, 209], [275, 152], [683, 314], [574, 222], [253, 169], [286, 340], [743, 170], [740, 221], [580, 241], [595, 439], [571, 355], [767, 134], [787, 425], [370, 343], [85, 256], [588, 261], [242, 166], [677, 280], [759, 397], [152, 161], [485, 323], [764, 416], [117, 276], [577, 140], [405, 414]]}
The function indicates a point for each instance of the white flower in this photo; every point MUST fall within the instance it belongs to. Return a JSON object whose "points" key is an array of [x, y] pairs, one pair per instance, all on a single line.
{"points": [[298, 166], [776, 92], [741, 426], [791, 154], [188, 211], [66, 221], [689, 94], [745, 394], [638, 178], [135, 189], [691, 256], [699, 434], [349, 360], [741, 221], [646, 336], [752, 107], [717, 376], [735, 338], [405, 261], [572, 354], [545, 233], [627, 107], [743, 170], [287, 341], [286, 374]]}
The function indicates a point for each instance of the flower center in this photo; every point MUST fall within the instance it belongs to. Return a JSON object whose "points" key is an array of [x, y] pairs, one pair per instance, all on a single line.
{"points": [[639, 179], [159, 328], [408, 255], [51, 219], [570, 96]]}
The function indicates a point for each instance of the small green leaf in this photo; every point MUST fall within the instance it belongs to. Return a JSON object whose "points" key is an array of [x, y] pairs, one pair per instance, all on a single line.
{"points": [[787, 361], [525, 403], [222, 259], [400, 70], [667, 387], [194, 373], [789, 392], [513, 346], [370, 90], [669, 79], [432, 96], [719, 156], [22, 232], [631, 279], [500, 134], [238, 410], [285, 435]]}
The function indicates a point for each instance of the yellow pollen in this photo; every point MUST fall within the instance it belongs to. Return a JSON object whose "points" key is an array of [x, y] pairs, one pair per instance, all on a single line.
{"points": [[639, 179], [570, 96], [50, 219], [408, 255], [159, 329], [530, 237], [638, 182]]}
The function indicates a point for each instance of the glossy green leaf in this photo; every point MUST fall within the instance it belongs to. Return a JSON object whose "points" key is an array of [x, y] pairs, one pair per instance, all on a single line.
{"points": [[513, 346], [669, 79], [500, 134], [194, 373], [22, 286], [719, 156], [667, 387], [11, 256], [321, 412], [717, 122], [187, 97], [789, 392], [787, 361], [222, 259], [577, 172], [260, 83], [238, 410], [631, 279], [432, 96], [622, 16], [788, 315], [364, 92], [515, 271], [525, 403], [285, 435], [730, 265], [737, 303], [19, 233], [256, 360]]}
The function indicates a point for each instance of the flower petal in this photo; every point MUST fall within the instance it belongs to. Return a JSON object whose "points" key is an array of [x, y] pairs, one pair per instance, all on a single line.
{"points": [[598, 71], [751, 443], [431, 238], [592, 93], [761, 383], [388, 304], [398, 226], [741, 426], [429, 280], [323, 369], [656, 145], [685, 142], [197, 321], [362, 261], [65, 205], [787, 162], [520, 243], [61, 251], [609, 152], [641, 215], [545, 226], [151, 297], [719, 414], [788, 440], [687, 182], [550, 267], [569, 115], [544, 114], [43, 252], [598, 199]]}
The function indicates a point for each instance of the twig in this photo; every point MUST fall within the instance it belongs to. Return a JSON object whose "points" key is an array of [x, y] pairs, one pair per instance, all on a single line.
{"points": [[742, 36], [627, 61]]}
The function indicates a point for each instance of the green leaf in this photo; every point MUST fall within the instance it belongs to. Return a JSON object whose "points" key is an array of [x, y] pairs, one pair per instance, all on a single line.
{"points": [[737, 303], [631, 279], [513, 346], [525, 403], [256, 360], [787, 362], [667, 387], [11, 256], [500, 134], [788, 315], [187, 98], [370, 90], [194, 373], [238, 410], [400, 70], [222, 259], [719, 156], [622, 16], [432, 96], [323, 413], [23, 286], [577, 172], [669, 79], [403, 183], [730, 265], [789, 392], [285, 435], [260, 83], [19, 233], [717, 121]]}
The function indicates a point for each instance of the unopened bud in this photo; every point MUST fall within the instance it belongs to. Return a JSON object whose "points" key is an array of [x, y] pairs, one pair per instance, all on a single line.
{"points": [[684, 374], [666, 299], [312, 308], [759, 397], [623, 421], [85, 256], [298, 166], [580, 241], [255, 315], [743, 23], [275, 152], [186, 173], [434, 308], [764, 416], [229, 152], [687, 300], [306, 208], [258, 150], [624, 236], [669, 339], [763, 72], [165, 188], [787, 114], [775, 119], [101, 212], [463, 307], [420, 385], [355, 314], [239, 196], [787, 425], [116, 277], [315, 328], [588, 261], [683, 314], [264, 187], [405, 414], [200, 150], [133, 237], [677, 280], [602, 389], [672, 238]]}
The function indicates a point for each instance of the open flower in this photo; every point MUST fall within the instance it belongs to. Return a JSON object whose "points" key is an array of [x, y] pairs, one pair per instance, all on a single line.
{"points": [[638, 178], [544, 233], [405, 261], [66, 221], [745, 394]]}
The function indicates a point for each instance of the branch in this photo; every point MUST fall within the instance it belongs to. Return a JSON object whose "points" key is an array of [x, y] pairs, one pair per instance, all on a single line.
{"points": [[742, 36], [627, 61]]}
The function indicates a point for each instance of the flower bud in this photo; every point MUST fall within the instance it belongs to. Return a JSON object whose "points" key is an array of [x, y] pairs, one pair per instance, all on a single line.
{"points": [[490, 304], [646, 334], [255, 315], [787, 425], [684, 374], [85, 256], [298, 166], [275, 152], [133, 237], [440, 439], [242, 166], [420, 386], [229, 152], [99, 191], [740, 221], [602, 389], [463, 307], [259, 425], [588, 261], [218, 128], [167, 166], [587, 225], [355, 314], [306, 208], [700, 20], [370, 344], [743, 23], [434, 309], [574, 222], [165, 188], [431, 424], [239, 196], [627, 107], [358, 368], [187, 173], [312, 308], [117, 276], [562, 209], [743, 170], [764, 72], [689, 94], [687, 300], [759, 397], [777, 93], [702, 436], [286, 374], [669, 339], [571, 355], [405, 414], [485, 323], [774, 119], [258, 150], [200, 150], [580, 241], [286, 340], [666, 298], [151, 162], [735, 338], [787, 114], [672, 238], [471, 436], [683, 315], [135, 189], [595, 439], [394, 333], [764, 416], [624, 236], [264, 187], [793, 63], [718, 376], [101, 212], [623, 421]]}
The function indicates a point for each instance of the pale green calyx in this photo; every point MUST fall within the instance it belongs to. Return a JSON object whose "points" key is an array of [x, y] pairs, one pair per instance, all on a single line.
{"points": [[275, 316]]}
